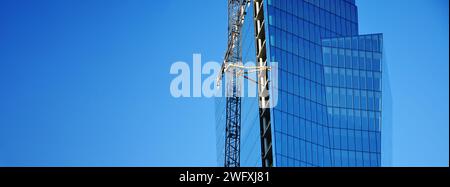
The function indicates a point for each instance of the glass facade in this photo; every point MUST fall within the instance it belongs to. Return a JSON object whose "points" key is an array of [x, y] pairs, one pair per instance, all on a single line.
{"points": [[329, 101], [352, 69], [250, 136]]}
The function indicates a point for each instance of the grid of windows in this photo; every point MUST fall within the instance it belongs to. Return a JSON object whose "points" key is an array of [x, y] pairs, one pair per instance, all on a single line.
{"points": [[311, 85], [352, 69], [329, 101], [295, 29]]}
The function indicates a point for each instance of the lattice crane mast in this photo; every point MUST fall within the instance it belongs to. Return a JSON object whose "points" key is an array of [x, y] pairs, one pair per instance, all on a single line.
{"points": [[233, 68], [233, 57]]}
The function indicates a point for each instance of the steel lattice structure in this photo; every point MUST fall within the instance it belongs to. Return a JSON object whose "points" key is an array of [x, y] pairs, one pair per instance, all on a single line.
{"points": [[234, 71], [233, 56]]}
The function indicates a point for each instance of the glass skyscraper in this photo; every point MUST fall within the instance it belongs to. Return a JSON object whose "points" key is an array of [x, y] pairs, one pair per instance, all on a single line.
{"points": [[329, 109]]}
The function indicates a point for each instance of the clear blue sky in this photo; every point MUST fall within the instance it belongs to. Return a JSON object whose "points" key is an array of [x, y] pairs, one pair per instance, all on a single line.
{"points": [[86, 83]]}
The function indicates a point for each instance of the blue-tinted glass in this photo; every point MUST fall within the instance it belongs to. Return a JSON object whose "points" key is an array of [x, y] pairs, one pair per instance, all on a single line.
{"points": [[361, 44], [359, 159], [348, 59], [366, 159], [310, 71], [302, 108], [348, 78], [368, 42], [308, 110], [358, 141]]}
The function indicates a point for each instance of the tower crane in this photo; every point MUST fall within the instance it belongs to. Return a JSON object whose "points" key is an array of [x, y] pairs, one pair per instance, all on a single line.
{"points": [[237, 10], [234, 69]]}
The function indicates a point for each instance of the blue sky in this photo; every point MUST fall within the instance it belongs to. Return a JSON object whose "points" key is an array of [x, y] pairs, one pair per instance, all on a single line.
{"points": [[86, 83], [416, 48]]}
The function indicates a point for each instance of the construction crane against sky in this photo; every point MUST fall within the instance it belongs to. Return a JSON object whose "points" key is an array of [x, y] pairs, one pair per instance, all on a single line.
{"points": [[234, 70]]}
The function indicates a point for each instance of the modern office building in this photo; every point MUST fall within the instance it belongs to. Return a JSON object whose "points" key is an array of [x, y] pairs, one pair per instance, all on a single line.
{"points": [[329, 109]]}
